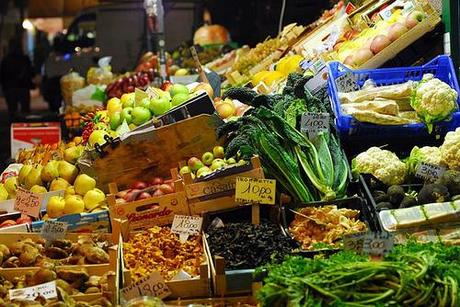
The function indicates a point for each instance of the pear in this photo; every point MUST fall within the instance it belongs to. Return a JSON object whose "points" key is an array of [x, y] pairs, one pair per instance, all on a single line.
{"points": [[38, 189], [69, 191], [23, 172], [3, 192], [67, 171], [34, 177], [92, 198], [83, 184], [55, 206], [58, 184], [72, 154], [50, 171], [74, 204], [11, 185]]}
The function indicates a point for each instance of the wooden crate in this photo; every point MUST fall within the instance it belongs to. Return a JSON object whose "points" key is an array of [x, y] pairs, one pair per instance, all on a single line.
{"points": [[98, 270], [219, 193], [145, 213], [193, 288]]}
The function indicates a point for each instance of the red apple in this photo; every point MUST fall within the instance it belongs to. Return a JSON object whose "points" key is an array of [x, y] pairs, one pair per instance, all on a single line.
{"points": [[138, 185], [362, 56], [157, 180], [143, 195], [396, 30], [379, 43], [194, 164], [129, 195], [24, 219], [414, 18], [165, 86]]}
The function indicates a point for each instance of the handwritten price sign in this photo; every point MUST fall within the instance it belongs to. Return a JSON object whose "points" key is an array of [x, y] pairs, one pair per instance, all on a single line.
{"points": [[429, 172], [251, 190], [53, 230], [314, 123], [372, 243], [152, 285], [47, 290], [185, 225], [27, 202]]}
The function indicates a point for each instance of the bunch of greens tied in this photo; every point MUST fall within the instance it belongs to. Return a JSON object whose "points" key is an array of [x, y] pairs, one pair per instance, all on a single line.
{"points": [[411, 275], [307, 169]]}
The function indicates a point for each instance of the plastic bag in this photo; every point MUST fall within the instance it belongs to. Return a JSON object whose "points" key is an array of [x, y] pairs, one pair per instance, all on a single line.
{"points": [[69, 84], [91, 95]]}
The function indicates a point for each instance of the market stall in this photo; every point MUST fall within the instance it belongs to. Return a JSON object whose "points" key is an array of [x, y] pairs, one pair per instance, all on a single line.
{"points": [[317, 178]]}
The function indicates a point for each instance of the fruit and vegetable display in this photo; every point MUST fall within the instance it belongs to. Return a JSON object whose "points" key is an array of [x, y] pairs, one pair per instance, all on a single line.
{"points": [[246, 245], [127, 84], [157, 249], [327, 225], [30, 253], [412, 274]]}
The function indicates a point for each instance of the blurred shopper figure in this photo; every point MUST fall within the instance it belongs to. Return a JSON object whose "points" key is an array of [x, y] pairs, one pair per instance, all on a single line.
{"points": [[16, 78]]}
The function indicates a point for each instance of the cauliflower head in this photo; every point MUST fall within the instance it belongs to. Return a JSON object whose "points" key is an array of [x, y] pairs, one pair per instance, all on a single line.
{"points": [[450, 150], [382, 164], [427, 154], [433, 100]]}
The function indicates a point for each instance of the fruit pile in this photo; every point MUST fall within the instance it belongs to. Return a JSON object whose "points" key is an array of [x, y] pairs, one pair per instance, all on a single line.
{"points": [[228, 108], [127, 83], [209, 163], [142, 190], [23, 219]]}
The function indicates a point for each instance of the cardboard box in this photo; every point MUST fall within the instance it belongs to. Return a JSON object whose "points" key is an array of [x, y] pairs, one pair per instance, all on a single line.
{"points": [[26, 135]]}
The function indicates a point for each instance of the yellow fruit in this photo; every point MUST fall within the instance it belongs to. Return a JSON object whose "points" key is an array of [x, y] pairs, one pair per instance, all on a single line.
{"points": [[74, 204], [38, 189], [72, 154], [83, 184], [272, 76], [77, 140], [3, 192], [34, 177], [11, 185], [114, 105], [97, 136], [55, 206], [58, 184], [50, 171], [67, 171], [92, 198], [23, 172], [127, 99], [292, 65], [69, 191], [181, 72]]}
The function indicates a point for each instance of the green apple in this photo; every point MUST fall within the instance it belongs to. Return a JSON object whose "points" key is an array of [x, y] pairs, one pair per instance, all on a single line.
{"points": [[217, 163], [231, 161], [74, 204], [115, 120], [34, 177], [92, 198], [179, 99], [58, 184], [55, 206], [38, 189], [218, 152], [207, 158], [127, 99], [184, 170], [159, 106], [203, 171], [178, 88], [67, 171], [140, 115], [97, 137], [23, 172], [50, 171], [83, 183], [194, 164], [72, 153], [144, 102], [126, 115], [11, 185]]}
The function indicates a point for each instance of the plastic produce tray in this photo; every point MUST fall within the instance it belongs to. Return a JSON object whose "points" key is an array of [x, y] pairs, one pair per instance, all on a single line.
{"points": [[343, 79], [367, 214]]}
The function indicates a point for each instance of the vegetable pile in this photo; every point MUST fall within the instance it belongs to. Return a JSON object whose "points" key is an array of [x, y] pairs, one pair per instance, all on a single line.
{"points": [[411, 275], [306, 169], [247, 246], [336, 223]]}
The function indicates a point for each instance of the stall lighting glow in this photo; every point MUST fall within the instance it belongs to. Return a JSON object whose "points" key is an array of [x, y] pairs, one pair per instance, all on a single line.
{"points": [[27, 25]]}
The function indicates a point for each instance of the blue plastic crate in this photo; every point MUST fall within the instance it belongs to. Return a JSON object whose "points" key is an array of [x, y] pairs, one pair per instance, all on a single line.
{"points": [[343, 79]]}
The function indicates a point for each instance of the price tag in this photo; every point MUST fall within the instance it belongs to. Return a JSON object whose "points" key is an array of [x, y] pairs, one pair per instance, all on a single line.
{"points": [[347, 83], [252, 190], [152, 285], [27, 202], [53, 230], [185, 225], [429, 172], [139, 95], [47, 290], [372, 243], [151, 93], [318, 81], [314, 123]]}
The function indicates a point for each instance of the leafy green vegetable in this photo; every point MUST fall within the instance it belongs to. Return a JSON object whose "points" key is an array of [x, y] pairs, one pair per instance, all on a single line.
{"points": [[411, 275]]}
